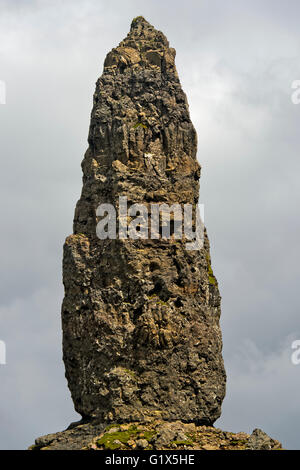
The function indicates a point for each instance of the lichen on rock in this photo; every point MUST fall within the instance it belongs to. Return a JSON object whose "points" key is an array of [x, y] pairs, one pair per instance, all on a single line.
{"points": [[154, 435], [146, 306]]}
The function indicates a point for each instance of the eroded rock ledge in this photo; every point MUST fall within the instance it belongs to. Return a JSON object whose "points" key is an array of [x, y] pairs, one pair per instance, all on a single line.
{"points": [[154, 435], [142, 343]]}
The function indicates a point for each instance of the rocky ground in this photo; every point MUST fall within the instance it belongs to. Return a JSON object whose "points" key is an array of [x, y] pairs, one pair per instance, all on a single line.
{"points": [[154, 435]]}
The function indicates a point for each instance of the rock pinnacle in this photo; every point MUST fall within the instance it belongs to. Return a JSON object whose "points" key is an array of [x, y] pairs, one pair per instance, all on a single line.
{"points": [[142, 342], [140, 317]]}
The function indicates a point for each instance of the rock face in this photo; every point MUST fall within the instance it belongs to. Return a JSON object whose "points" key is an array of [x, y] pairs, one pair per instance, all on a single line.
{"points": [[141, 335], [157, 435]]}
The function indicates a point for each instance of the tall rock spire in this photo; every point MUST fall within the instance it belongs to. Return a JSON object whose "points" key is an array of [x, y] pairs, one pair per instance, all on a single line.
{"points": [[141, 335]]}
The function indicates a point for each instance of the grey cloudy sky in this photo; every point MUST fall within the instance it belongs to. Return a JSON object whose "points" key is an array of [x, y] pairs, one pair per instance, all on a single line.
{"points": [[236, 60]]}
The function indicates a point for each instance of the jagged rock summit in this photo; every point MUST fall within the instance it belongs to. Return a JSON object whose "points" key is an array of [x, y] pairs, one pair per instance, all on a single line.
{"points": [[142, 343]]}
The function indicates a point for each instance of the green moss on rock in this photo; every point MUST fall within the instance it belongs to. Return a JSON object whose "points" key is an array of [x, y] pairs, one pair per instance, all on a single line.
{"points": [[148, 435]]}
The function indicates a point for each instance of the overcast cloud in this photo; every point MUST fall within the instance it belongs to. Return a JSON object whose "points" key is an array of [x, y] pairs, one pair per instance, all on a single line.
{"points": [[236, 61]]}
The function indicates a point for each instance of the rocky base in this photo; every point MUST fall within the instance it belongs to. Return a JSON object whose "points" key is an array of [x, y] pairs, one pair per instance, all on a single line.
{"points": [[155, 435]]}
